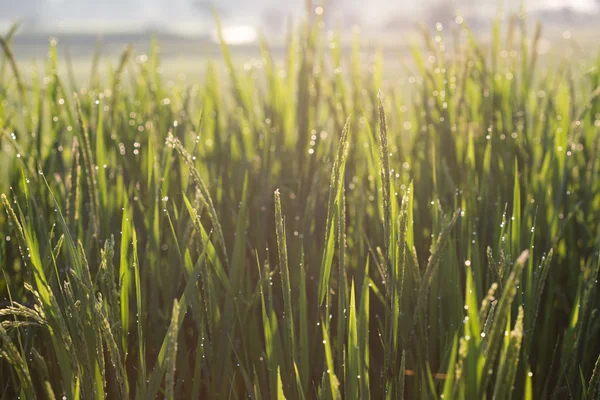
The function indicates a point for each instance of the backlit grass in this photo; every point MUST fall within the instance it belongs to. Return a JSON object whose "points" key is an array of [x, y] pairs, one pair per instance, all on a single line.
{"points": [[304, 229]]}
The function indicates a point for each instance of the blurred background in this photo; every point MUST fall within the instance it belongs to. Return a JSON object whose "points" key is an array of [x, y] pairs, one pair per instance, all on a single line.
{"points": [[188, 26], [194, 17]]}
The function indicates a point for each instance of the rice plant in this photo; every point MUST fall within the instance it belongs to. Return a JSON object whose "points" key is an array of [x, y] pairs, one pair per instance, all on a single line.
{"points": [[304, 228]]}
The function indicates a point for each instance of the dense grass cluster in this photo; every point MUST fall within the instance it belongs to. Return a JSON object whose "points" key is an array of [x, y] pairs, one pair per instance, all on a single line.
{"points": [[289, 230]]}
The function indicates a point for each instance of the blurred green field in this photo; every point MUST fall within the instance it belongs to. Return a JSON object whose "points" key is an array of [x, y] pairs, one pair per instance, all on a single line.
{"points": [[321, 220], [184, 57]]}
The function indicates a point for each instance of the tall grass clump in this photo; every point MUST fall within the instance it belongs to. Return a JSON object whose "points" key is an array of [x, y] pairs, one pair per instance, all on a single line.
{"points": [[311, 228]]}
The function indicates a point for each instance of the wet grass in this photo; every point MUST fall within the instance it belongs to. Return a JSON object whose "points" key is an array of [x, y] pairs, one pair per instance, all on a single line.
{"points": [[305, 229]]}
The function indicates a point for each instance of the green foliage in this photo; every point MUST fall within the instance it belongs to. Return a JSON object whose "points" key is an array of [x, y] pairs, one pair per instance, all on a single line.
{"points": [[443, 240]]}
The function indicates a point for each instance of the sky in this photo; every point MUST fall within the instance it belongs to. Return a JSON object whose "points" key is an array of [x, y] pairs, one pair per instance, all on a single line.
{"points": [[194, 16]]}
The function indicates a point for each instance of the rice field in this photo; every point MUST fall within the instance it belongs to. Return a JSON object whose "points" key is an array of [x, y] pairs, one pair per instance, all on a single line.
{"points": [[303, 229]]}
